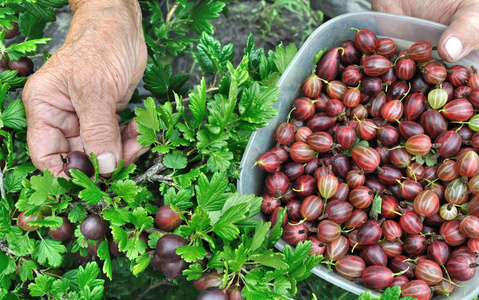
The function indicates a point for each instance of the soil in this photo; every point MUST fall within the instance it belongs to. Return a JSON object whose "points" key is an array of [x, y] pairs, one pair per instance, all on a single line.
{"points": [[249, 17]]}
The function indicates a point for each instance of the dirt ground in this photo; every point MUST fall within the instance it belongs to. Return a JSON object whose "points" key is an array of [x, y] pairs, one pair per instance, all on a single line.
{"points": [[269, 25]]}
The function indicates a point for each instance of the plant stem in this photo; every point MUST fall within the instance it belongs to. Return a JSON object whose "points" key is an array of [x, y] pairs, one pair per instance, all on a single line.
{"points": [[151, 287], [151, 172], [2, 187]]}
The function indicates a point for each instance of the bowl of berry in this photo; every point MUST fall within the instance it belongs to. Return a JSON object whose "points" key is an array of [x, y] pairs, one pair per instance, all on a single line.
{"points": [[373, 158]]}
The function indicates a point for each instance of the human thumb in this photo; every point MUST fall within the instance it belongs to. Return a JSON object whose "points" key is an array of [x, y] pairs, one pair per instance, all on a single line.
{"points": [[461, 37], [100, 134]]}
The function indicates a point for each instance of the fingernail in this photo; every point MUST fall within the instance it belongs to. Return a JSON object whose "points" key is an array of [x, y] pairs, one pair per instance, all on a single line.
{"points": [[106, 163], [453, 47], [142, 151]]}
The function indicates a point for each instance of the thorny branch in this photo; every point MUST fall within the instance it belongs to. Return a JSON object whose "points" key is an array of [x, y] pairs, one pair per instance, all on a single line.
{"points": [[4, 247]]}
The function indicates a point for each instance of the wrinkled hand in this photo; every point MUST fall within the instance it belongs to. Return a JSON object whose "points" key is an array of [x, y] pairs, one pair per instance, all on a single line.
{"points": [[462, 18], [72, 102]]}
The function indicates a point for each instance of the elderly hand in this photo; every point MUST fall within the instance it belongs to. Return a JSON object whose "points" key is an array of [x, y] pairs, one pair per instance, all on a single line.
{"points": [[72, 102], [462, 18]]}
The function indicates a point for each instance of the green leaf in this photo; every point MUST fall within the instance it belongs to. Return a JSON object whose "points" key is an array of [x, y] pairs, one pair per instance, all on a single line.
{"points": [[277, 230], [255, 104], [142, 262], [281, 286], [148, 116], [211, 194], [198, 102], [219, 159], [42, 285], [202, 13], [157, 78], [274, 260], [92, 193], [139, 217], [191, 253], [133, 247], [376, 206], [104, 254], [49, 221], [259, 235], [26, 270], [367, 295], [31, 26], [123, 173], [430, 160], [209, 55], [392, 293], [14, 115], [20, 243], [7, 264], [282, 57], [40, 9], [77, 213], [17, 51], [117, 216], [225, 227], [301, 252], [175, 160], [87, 276], [49, 250], [60, 287], [182, 199], [125, 189], [44, 186], [194, 272]]}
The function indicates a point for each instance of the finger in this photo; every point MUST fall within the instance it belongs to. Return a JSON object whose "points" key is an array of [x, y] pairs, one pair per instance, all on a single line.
{"points": [[388, 6], [461, 37], [132, 150], [49, 132], [99, 130]]}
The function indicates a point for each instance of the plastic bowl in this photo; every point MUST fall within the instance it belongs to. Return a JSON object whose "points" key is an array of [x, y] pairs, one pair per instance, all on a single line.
{"points": [[404, 31]]}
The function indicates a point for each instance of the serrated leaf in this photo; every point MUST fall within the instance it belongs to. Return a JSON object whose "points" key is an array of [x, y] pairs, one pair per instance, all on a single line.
{"points": [[191, 253], [255, 104], [198, 102], [13, 116], [77, 213], [17, 51], [202, 13], [117, 216], [87, 276], [125, 189], [42, 285], [31, 26], [274, 260], [148, 117], [49, 252], [194, 272], [49, 221], [104, 254], [180, 199], [140, 218], [175, 160], [376, 206], [142, 262], [211, 194], [26, 270], [60, 287], [296, 258], [6, 263], [92, 193], [259, 235], [392, 293], [282, 56]]}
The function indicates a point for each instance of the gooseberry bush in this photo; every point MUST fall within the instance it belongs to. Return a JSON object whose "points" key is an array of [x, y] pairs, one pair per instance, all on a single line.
{"points": [[175, 217]]}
